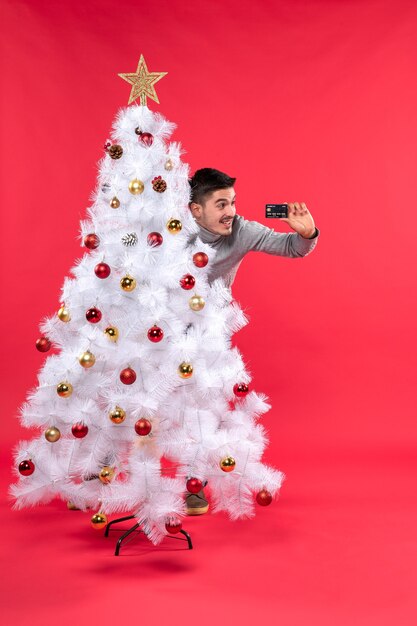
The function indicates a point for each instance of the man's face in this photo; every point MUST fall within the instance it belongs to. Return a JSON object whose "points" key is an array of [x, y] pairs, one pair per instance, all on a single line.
{"points": [[217, 212]]}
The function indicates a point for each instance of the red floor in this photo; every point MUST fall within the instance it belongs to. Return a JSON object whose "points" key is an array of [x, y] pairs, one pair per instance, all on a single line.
{"points": [[338, 547]]}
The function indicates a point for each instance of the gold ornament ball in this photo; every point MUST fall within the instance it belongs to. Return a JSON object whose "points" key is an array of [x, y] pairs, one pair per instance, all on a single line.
{"points": [[115, 203], [106, 474], [99, 520], [169, 165], [228, 464], [128, 283], [136, 186], [174, 226], [64, 314], [112, 333], [118, 415], [52, 434], [87, 359], [64, 390], [185, 370], [196, 303]]}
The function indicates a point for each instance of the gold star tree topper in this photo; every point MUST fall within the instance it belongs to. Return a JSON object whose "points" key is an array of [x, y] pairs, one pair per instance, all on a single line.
{"points": [[143, 82]]}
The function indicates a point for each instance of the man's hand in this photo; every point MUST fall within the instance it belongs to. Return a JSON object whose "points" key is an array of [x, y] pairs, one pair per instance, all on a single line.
{"points": [[300, 219]]}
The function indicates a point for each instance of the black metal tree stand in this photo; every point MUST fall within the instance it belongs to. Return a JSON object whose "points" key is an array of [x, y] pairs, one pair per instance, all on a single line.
{"points": [[134, 528]]}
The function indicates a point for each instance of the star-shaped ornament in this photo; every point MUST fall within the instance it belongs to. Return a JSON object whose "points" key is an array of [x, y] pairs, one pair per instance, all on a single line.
{"points": [[143, 82]]}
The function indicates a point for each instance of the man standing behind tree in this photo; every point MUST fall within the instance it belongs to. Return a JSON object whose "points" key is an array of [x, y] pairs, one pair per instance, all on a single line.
{"points": [[213, 205]]}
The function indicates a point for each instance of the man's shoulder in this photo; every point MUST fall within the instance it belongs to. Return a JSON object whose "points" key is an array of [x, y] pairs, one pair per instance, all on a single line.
{"points": [[245, 227], [238, 228], [241, 222], [244, 233], [238, 222]]}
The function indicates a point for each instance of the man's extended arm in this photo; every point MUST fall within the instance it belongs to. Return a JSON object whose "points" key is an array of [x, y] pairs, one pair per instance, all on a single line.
{"points": [[255, 236]]}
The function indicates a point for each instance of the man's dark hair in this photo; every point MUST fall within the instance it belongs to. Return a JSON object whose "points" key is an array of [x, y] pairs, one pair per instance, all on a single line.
{"points": [[207, 180]]}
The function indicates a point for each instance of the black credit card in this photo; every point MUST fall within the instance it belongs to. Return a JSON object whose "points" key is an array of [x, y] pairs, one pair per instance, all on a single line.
{"points": [[276, 210]]}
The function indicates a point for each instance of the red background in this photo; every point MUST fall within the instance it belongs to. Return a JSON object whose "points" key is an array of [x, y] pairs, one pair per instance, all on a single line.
{"points": [[301, 101]]}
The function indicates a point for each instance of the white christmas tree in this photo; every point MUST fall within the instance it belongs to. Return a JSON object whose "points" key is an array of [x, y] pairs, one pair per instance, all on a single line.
{"points": [[144, 370]]}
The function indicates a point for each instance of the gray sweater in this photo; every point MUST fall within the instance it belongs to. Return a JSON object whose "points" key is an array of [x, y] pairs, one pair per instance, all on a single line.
{"points": [[247, 236]]}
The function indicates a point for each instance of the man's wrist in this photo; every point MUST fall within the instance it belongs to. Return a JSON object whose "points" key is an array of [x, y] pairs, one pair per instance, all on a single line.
{"points": [[311, 235]]}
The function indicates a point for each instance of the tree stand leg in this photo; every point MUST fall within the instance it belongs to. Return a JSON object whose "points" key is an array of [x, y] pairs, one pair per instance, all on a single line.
{"points": [[134, 527]]}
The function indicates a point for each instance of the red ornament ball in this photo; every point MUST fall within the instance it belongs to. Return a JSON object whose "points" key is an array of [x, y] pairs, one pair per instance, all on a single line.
{"points": [[146, 139], [155, 239], [173, 527], [200, 259], [43, 344], [263, 497], [194, 485], [187, 281], [107, 145], [93, 315], [155, 334], [102, 270], [241, 389], [128, 376], [143, 427], [26, 467], [91, 241], [79, 430]]}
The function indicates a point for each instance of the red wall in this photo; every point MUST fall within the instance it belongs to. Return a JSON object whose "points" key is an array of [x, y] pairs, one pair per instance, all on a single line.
{"points": [[301, 101]]}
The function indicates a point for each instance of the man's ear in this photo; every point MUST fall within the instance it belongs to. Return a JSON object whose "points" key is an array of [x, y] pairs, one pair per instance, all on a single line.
{"points": [[195, 209]]}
